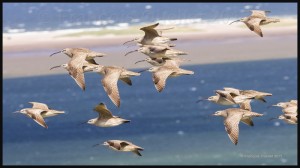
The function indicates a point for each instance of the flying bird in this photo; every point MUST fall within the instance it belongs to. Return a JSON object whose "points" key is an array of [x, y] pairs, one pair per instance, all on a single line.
{"points": [[256, 19]]}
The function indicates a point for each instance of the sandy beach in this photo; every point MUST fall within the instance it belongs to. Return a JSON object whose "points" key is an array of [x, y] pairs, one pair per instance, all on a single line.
{"points": [[27, 54]]}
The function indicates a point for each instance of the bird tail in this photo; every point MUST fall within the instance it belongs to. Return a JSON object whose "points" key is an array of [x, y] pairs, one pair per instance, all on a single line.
{"points": [[126, 121], [137, 152]]}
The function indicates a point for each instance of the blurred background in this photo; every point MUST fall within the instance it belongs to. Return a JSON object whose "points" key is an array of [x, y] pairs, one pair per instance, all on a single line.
{"points": [[171, 126]]}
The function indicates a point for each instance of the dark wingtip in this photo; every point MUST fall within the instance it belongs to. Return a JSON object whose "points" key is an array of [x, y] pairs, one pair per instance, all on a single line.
{"points": [[127, 121]]}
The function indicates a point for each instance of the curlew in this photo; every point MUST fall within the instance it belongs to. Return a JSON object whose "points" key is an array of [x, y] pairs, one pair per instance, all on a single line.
{"points": [[158, 52], [227, 98], [121, 145], [90, 55], [232, 117], [288, 107], [290, 111], [50, 112], [152, 37], [249, 93], [256, 19], [111, 75], [76, 67], [106, 119], [38, 112], [161, 73]]}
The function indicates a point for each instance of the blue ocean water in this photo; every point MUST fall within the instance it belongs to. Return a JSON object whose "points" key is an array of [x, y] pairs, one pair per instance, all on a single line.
{"points": [[173, 129], [54, 16]]}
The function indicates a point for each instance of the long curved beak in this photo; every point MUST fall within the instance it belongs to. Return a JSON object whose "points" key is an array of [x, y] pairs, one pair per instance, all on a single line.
{"points": [[201, 100], [55, 67], [139, 61], [142, 70], [83, 123], [128, 41], [95, 145], [55, 53], [235, 21], [272, 118], [16, 112], [130, 52], [271, 106]]}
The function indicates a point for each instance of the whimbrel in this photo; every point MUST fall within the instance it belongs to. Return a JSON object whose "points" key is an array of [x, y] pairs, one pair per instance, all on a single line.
{"points": [[256, 19], [161, 73], [121, 145], [90, 55], [249, 93], [35, 114], [152, 37], [288, 107], [290, 111], [50, 112], [76, 67], [158, 52], [106, 119], [111, 75], [232, 117]]}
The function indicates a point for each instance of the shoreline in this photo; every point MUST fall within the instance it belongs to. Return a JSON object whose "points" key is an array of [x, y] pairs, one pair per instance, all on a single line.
{"points": [[216, 43]]}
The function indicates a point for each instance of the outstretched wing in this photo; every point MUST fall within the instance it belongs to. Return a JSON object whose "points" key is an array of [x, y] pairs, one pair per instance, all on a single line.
{"points": [[232, 126], [39, 105], [259, 13], [35, 114], [226, 95], [253, 25], [109, 82], [159, 78], [103, 111], [75, 68], [150, 32]]}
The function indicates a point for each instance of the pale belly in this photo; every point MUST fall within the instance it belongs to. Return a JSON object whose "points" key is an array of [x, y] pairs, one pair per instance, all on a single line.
{"points": [[109, 123]]}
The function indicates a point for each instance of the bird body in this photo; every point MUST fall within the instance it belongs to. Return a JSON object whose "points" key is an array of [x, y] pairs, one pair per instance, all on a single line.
{"points": [[232, 117], [161, 73], [152, 37], [256, 19], [111, 75], [105, 118], [125, 146]]}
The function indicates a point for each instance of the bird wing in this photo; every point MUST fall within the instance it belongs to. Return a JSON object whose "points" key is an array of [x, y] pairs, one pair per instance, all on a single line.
{"points": [[246, 105], [253, 25], [75, 68], [126, 80], [150, 32], [159, 78], [36, 115], [93, 54], [232, 90], [232, 125], [158, 49], [103, 111], [294, 102], [259, 13], [172, 63], [123, 144], [109, 82], [39, 105], [290, 109], [248, 121], [226, 95]]}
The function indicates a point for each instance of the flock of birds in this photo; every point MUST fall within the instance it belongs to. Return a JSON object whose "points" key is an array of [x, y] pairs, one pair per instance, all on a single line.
{"points": [[166, 63]]}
